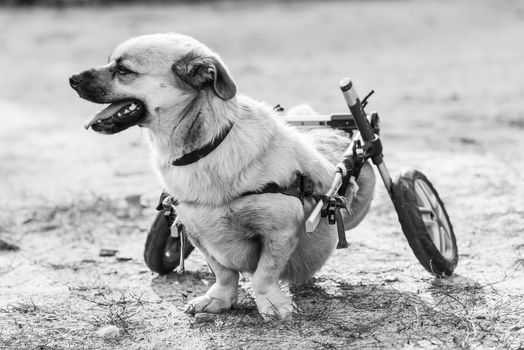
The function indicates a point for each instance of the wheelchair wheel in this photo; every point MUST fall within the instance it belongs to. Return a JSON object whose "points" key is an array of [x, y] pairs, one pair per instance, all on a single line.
{"points": [[162, 252], [425, 222]]}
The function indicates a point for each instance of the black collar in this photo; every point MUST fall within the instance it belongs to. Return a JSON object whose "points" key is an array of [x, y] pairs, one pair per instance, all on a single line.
{"points": [[203, 151]]}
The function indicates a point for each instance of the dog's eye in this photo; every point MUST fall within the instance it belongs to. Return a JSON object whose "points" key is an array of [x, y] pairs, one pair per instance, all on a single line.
{"points": [[123, 70]]}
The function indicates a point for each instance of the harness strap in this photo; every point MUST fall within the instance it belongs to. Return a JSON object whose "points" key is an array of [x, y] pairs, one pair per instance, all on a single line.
{"points": [[301, 187]]}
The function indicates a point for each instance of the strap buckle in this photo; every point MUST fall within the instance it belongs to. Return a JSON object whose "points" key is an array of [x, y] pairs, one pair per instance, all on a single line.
{"points": [[331, 210], [307, 186]]}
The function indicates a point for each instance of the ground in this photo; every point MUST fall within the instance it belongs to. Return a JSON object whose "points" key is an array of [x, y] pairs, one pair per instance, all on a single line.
{"points": [[449, 89]]}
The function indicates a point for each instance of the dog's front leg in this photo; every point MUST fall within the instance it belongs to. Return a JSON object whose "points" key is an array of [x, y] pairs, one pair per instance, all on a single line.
{"points": [[221, 296], [277, 247]]}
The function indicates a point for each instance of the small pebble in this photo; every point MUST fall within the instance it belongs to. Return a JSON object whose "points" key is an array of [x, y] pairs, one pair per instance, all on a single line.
{"points": [[391, 279], [5, 245], [107, 252], [123, 258], [108, 332], [160, 346], [205, 317]]}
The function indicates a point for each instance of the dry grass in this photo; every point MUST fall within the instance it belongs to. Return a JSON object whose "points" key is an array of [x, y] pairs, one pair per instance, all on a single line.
{"points": [[361, 316], [119, 312]]}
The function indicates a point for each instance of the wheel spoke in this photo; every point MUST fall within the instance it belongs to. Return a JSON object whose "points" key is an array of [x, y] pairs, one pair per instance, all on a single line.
{"points": [[421, 195], [437, 211], [429, 222], [443, 242], [434, 218], [432, 228], [428, 194], [425, 210], [443, 222], [436, 235], [445, 228]]}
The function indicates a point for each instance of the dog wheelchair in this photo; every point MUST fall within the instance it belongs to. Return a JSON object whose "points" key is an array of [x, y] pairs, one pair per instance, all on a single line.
{"points": [[421, 212]]}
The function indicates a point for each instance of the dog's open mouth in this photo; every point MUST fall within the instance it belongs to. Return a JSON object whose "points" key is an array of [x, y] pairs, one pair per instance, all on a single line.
{"points": [[117, 116]]}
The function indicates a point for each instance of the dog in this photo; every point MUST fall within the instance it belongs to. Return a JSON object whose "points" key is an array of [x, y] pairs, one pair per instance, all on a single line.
{"points": [[216, 151]]}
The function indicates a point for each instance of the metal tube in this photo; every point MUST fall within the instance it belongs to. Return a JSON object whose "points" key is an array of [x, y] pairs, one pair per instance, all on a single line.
{"points": [[306, 118], [386, 177], [298, 119], [353, 102]]}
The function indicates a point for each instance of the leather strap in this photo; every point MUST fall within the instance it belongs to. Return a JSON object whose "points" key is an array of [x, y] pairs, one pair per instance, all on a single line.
{"points": [[300, 187], [196, 155]]}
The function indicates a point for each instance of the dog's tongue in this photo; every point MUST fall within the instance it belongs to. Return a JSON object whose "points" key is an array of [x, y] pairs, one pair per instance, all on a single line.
{"points": [[107, 112]]}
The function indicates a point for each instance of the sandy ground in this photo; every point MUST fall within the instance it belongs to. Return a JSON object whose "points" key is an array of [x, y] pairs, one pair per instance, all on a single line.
{"points": [[448, 76]]}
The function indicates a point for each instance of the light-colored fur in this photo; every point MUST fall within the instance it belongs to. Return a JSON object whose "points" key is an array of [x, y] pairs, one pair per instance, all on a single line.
{"points": [[264, 234]]}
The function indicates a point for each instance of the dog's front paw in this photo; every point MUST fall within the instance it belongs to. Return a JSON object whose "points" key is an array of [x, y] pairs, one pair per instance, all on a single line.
{"points": [[274, 305], [206, 303]]}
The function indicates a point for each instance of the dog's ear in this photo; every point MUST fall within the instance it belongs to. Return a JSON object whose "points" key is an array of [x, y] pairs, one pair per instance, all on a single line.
{"points": [[198, 71]]}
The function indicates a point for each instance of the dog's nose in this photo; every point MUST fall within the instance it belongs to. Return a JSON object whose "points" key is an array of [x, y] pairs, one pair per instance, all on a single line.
{"points": [[76, 80]]}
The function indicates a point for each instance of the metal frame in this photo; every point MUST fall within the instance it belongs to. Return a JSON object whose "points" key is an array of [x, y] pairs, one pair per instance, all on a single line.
{"points": [[363, 128]]}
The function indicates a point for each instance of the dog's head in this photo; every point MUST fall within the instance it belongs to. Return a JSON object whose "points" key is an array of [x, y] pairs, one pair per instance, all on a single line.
{"points": [[149, 78]]}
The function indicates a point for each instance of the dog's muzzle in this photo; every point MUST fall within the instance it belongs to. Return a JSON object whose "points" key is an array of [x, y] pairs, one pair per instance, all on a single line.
{"points": [[119, 115]]}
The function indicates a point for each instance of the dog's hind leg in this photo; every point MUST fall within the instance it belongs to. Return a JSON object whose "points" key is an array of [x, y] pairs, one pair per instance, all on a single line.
{"points": [[221, 296], [311, 253]]}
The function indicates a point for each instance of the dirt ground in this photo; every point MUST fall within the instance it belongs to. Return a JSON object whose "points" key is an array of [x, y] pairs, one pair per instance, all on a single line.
{"points": [[449, 87]]}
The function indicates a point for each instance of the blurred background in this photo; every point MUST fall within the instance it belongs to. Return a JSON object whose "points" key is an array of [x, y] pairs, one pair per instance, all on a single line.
{"points": [[443, 72], [449, 85]]}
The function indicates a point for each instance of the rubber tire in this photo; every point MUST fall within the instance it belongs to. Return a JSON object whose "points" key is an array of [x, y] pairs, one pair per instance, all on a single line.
{"points": [[158, 241], [405, 202]]}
